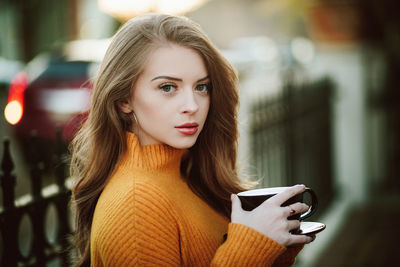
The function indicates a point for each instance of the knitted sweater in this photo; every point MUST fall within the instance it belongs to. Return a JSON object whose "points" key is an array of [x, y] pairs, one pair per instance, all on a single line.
{"points": [[148, 216]]}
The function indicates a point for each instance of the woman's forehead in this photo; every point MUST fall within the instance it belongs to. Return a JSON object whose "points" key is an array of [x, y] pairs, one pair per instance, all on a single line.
{"points": [[175, 61]]}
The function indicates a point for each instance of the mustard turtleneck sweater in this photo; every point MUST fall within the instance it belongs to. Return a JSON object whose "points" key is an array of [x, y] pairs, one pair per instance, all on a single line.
{"points": [[148, 216]]}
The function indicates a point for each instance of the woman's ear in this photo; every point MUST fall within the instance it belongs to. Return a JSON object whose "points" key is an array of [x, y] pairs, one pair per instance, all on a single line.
{"points": [[124, 106]]}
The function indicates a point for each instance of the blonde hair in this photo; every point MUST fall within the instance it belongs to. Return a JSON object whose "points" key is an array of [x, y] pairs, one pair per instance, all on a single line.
{"points": [[210, 168]]}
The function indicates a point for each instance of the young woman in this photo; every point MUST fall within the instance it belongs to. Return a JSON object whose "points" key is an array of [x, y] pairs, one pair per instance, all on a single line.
{"points": [[156, 159]]}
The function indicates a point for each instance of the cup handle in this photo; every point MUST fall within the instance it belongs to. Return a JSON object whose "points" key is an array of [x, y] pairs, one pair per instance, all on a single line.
{"points": [[313, 207]]}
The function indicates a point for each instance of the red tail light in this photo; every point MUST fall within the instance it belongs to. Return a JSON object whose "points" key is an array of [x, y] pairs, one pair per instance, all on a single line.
{"points": [[15, 106]]}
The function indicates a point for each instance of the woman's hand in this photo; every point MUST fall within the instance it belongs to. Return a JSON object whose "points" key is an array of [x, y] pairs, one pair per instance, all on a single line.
{"points": [[271, 219]]}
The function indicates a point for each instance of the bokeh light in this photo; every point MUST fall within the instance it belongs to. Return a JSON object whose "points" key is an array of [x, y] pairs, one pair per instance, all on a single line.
{"points": [[13, 112]]}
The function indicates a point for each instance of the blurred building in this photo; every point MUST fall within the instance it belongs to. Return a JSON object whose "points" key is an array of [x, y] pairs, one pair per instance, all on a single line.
{"points": [[30, 27], [353, 42]]}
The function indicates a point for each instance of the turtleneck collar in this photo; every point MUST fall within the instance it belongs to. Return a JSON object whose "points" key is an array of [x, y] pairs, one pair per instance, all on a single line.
{"points": [[151, 157]]}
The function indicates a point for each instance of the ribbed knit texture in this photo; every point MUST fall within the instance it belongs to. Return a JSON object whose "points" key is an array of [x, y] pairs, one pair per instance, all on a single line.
{"points": [[148, 216]]}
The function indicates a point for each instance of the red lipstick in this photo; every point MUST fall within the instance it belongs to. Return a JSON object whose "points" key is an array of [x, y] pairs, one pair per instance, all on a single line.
{"points": [[188, 128]]}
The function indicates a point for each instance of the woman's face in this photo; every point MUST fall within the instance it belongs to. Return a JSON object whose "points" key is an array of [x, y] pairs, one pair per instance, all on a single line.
{"points": [[171, 98]]}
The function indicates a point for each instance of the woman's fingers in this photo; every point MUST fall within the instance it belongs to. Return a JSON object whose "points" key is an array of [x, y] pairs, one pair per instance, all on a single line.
{"points": [[282, 197], [293, 224], [237, 211], [296, 208], [298, 239], [236, 205]]}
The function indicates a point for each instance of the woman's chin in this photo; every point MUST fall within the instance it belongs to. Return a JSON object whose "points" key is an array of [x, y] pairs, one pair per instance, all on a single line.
{"points": [[184, 143]]}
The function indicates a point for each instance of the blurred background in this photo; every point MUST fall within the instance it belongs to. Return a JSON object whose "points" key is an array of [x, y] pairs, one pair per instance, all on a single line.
{"points": [[319, 106]]}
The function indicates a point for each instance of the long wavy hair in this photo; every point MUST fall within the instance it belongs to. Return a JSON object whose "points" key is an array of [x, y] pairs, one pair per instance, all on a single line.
{"points": [[210, 168]]}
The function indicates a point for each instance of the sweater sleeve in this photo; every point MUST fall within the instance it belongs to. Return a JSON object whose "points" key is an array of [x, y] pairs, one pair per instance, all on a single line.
{"points": [[247, 247]]}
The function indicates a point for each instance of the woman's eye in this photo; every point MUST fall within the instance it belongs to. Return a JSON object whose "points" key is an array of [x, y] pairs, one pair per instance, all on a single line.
{"points": [[202, 88], [168, 88]]}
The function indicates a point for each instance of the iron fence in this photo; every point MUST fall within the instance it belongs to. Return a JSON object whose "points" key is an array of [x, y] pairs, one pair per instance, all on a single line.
{"points": [[291, 138], [32, 212]]}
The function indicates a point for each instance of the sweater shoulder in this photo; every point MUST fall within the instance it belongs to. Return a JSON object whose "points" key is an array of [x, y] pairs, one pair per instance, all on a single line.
{"points": [[132, 191], [140, 215], [134, 202]]}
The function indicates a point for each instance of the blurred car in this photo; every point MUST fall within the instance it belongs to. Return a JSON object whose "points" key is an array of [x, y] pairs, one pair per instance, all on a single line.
{"points": [[54, 92]]}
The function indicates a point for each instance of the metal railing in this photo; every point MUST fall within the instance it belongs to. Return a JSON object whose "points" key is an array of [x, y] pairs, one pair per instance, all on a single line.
{"points": [[32, 211], [291, 138]]}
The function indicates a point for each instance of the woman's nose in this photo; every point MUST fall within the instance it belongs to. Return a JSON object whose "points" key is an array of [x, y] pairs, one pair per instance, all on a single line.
{"points": [[189, 104]]}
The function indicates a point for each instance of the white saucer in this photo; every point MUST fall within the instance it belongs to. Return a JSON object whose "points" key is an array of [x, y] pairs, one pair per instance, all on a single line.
{"points": [[311, 228]]}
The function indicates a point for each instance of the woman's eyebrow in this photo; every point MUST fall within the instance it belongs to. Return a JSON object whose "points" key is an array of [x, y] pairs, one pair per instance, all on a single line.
{"points": [[167, 78], [203, 79], [176, 79]]}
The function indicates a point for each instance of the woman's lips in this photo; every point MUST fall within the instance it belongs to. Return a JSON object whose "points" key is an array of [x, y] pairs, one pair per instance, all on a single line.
{"points": [[188, 128]]}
